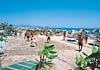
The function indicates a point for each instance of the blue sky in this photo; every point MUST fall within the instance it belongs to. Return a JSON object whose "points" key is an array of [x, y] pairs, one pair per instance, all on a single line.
{"points": [[53, 13]]}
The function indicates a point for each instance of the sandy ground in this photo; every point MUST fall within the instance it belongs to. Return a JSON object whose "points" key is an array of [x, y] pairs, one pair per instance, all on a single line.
{"points": [[18, 49]]}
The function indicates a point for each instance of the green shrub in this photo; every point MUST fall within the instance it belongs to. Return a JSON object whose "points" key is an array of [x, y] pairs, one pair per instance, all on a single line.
{"points": [[92, 60], [47, 54]]}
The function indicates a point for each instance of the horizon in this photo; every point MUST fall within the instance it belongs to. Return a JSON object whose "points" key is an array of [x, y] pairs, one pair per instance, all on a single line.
{"points": [[33, 26], [58, 13]]}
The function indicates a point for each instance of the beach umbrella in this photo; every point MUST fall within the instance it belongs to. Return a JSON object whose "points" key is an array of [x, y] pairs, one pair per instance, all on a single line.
{"points": [[81, 30], [57, 30], [94, 31], [73, 32], [99, 31], [51, 30], [87, 31]]}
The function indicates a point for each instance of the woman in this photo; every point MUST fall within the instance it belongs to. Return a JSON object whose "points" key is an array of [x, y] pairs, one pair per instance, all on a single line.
{"points": [[86, 38], [64, 35], [33, 42]]}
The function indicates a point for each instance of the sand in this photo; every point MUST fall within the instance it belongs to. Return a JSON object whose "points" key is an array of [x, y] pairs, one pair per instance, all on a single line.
{"points": [[18, 49]]}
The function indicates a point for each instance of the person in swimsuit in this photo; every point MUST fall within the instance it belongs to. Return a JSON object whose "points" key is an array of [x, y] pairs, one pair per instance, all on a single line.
{"points": [[86, 38], [64, 35], [28, 34], [80, 42], [15, 34], [33, 41], [48, 39]]}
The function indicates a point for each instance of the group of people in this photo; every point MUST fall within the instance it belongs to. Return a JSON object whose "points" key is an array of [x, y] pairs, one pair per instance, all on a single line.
{"points": [[81, 38], [30, 37]]}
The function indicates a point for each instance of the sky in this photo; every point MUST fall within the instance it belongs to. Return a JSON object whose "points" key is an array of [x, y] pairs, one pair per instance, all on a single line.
{"points": [[52, 13]]}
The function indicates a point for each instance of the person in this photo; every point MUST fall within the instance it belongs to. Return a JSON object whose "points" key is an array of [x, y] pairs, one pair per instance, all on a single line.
{"points": [[86, 38], [80, 42], [48, 39], [28, 35], [98, 40], [20, 33], [64, 35], [2, 47], [25, 35], [15, 34], [33, 41]]}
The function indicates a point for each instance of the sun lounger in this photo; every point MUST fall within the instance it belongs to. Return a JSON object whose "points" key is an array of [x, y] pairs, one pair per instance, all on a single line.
{"points": [[71, 36], [92, 37], [70, 40], [58, 34], [93, 44]]}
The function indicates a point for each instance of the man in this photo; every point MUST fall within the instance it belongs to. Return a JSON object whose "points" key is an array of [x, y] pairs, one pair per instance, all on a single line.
{"points": [[28, 34], [15, 34], [80, 42]]}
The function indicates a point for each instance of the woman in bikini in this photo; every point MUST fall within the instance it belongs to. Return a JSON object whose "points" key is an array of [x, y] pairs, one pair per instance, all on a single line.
{"points": [[64, 35], [86, 38]]}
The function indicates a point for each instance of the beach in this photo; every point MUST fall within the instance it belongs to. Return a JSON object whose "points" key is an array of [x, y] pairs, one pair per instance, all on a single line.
{"points": [[18, 49]]}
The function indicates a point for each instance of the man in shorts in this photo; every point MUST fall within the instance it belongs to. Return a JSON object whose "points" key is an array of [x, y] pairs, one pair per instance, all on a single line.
{"points": [[80, 42]]}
